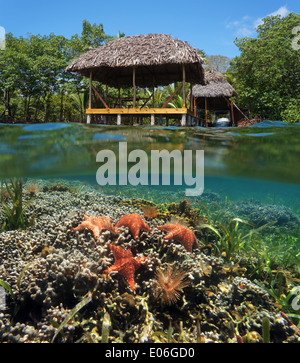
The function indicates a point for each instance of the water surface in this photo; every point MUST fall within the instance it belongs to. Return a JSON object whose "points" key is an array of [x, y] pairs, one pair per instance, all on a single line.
{"points": [[258, 162]]}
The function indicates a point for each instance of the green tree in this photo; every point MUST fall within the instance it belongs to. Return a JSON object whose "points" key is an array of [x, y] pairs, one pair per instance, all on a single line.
{"points": [[94, 36], [267, 73], [33, 81], [219, 63]]}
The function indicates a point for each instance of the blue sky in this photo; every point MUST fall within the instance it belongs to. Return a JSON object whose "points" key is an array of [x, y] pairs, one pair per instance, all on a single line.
{"points": [[208, 25]]}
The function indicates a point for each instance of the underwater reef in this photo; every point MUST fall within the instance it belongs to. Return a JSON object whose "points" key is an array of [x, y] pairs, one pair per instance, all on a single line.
{"points": [[71, 276], [260, 214]]}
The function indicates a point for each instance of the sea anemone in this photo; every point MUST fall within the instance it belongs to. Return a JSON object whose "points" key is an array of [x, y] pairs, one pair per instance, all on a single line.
{"points": [[149, 211], [32, 189], [169, 284]]}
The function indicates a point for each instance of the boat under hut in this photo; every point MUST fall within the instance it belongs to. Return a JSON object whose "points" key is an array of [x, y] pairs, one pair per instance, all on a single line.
{"points": [[145, 61]]}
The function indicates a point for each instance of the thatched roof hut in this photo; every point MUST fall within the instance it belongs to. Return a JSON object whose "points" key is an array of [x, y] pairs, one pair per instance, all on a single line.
{"points": [[215, 95], [215, 86], [156, 58]]}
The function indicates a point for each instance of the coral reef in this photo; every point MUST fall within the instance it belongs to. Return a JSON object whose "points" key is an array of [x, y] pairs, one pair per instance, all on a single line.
{"points": [[61, 290], [260, 214]]}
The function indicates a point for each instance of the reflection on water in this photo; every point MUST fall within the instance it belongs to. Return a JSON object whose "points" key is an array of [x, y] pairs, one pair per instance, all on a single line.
{"points": [[236, 159], [264, 151]]}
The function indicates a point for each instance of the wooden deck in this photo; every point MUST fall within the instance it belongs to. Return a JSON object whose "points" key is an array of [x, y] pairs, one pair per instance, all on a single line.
{"points": [[137, 111], [186, 117]]}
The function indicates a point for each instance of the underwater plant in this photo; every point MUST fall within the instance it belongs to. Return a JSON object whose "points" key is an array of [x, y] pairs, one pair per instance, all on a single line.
{"points": [[266, 330], [169, 284], [230, 238], [15, 207], [86, 299]]}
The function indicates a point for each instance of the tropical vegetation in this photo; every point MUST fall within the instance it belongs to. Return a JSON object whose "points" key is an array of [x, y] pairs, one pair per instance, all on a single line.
{"points": [[34, 86], [266, 75]]}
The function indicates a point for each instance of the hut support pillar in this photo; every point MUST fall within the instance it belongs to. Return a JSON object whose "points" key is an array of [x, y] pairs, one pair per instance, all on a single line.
{"points": [[183, 120], [119, 119], [134, 88], [152, 119], [88, 118], [183, 85], [205, 111], [153, 95], [232, 113], [119, 97]]}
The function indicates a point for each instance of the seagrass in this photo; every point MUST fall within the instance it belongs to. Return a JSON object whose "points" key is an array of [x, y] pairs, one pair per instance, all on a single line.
{"points": [[157, 58], [215, 85]]}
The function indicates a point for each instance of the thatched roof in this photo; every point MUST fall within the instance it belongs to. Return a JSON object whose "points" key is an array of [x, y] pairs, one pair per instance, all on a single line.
{"points": [[158, 60], [216, 86]]}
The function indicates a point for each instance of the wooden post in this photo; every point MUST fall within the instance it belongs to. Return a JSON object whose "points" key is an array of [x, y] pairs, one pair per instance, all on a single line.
{"points": [[90, 90], [183, 85], [153, 99], [134, 88], [173, 94], [205, 111], [119, 96], [106, 93], [232, 114], [99, 96], [88, 117]]}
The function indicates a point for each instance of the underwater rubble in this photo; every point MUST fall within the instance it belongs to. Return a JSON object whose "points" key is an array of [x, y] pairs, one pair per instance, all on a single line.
{"points": [[59, 290]]}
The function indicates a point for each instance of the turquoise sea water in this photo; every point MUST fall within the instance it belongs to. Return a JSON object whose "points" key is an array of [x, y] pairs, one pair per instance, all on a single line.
{"points": [[248, 214]]}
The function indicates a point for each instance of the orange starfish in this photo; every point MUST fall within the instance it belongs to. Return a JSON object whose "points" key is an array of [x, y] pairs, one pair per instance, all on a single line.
{"points": [[125, 264], [96, 225], [134, 222], [180, 234]]}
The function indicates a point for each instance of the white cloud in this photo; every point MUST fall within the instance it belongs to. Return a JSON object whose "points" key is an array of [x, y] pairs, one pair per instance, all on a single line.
{"points": [[246, 26], [243, 27], [282, 11]]}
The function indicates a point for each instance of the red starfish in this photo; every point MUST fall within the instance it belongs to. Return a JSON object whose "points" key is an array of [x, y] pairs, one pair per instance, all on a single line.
{"points": [[134, 222], [96, 224], [125, 264], [180, 234]]}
